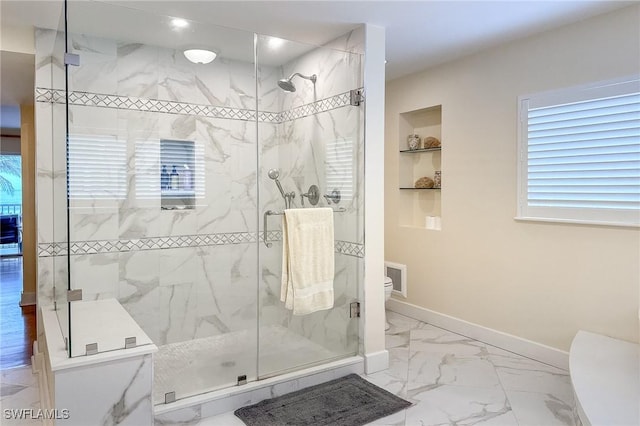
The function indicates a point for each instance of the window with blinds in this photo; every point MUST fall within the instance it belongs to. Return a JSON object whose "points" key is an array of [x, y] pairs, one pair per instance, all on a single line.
{"points": [[339, 168], [97, 167], [579, 154]]}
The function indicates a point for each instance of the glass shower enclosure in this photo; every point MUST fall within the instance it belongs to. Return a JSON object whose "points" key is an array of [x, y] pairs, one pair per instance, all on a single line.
{"points": [[174, 214]]}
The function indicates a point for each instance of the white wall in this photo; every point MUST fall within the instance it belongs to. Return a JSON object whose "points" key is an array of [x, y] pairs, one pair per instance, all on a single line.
{"points": [[538, 281]]}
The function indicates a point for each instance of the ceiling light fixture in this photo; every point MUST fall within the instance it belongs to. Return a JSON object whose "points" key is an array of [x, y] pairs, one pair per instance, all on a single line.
{"points": [[200, 56], [179, 23], [275, 42]]}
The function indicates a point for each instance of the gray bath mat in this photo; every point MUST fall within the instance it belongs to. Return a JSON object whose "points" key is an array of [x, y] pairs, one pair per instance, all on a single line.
{"points": [[348, 401]]}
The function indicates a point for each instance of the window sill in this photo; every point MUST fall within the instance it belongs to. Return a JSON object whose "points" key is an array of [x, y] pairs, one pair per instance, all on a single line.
{"points": [[576, 222]]}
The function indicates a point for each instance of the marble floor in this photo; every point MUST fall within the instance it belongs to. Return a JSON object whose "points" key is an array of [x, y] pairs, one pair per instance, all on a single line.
{"points": [[19, 390], [454, 380], [450, 379]]}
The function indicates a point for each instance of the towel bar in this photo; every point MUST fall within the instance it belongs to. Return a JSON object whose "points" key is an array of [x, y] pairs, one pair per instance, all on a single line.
{"points": [[280, 213]]}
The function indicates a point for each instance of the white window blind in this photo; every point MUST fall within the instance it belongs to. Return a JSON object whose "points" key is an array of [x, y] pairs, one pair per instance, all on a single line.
{"points": [[580, 154], [340, 167], [97, 167]]}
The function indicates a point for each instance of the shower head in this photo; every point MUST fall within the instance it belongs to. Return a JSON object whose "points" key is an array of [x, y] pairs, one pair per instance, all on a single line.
{"points": [[274, 174], [287, 85]]}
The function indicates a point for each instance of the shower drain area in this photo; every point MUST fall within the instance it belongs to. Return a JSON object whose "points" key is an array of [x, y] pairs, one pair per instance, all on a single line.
{"points": [[207, 364]]}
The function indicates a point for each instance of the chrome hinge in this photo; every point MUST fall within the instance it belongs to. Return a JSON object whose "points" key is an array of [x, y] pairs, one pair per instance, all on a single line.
{"points": [[356, 97], [169, 397], [242, 380], [91, 349], [74, 295], [129, 342], [354, 310], [72, 59]]}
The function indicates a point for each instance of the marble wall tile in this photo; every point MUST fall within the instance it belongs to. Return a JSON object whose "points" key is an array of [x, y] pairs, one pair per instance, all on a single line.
{"points": [[137, 70], [49, 58], [123, 395], [270, 96], [229, 201], [177, 321], [137, 222], [59, 173], [98, 62], [225, 287], [93, 223], [353, 41], [44, 172], [226, 82], [223, 82], [139, 289], [177, 266], [45, 281], [90, 121], [96, 274], [337, 72]]}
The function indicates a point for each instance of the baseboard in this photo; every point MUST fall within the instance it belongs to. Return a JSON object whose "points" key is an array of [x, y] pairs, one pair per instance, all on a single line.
{"points": [[509, 342], [27, 299], [376, 361]]}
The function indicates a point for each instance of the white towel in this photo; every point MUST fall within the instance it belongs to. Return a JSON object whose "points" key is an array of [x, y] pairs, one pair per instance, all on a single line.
{"points": [[307, 260]]}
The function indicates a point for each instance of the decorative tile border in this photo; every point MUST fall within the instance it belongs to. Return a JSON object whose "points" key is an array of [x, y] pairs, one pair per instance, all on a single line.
{"points": [[323, 105], [140, 104], [350, 249], [159, 243], [58, 96]]}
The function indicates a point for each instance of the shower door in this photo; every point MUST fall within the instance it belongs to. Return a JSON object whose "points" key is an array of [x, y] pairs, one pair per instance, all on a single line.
{"points": [[308, 134]]}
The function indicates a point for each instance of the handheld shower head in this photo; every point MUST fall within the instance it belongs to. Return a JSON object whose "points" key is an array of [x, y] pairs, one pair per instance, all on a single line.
{"points": [[274, 174], [286, 84]]}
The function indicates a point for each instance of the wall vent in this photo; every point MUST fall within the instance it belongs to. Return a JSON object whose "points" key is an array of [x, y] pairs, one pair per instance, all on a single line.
{"points": [[398, 274]]}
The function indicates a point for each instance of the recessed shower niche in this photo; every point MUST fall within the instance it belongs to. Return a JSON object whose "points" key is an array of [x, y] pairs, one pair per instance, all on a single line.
{"points": [[181, 174]]}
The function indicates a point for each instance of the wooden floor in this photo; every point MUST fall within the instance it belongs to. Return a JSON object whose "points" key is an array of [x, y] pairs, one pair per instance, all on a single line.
{"points": [[17, 325]]}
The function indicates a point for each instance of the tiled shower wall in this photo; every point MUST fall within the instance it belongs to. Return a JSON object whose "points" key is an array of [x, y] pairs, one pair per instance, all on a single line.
{"points": [[185, 274]]}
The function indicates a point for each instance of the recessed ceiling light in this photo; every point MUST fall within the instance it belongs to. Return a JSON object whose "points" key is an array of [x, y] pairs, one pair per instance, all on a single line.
{"points": [[200, 56], [275, 42], [179, 23]]}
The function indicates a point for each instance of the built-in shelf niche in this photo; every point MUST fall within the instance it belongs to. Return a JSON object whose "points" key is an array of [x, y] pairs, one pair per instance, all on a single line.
{"points": [[417, 204], [177, 174]]}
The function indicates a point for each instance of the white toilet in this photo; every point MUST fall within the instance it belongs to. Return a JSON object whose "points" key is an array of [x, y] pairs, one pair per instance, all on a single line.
{"points": [[388, 287]]}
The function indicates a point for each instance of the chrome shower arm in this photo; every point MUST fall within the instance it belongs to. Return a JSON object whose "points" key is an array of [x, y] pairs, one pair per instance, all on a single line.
{"points": [[313, 77]]}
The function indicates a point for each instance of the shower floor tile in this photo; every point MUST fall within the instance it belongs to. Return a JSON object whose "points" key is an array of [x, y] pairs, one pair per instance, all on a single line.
{"points": [[203, 365]]}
